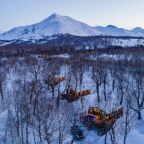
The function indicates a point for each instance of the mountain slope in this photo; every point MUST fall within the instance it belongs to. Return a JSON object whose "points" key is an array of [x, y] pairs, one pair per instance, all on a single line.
{"points": [[113, 31], [55, 24], [138, 31]]}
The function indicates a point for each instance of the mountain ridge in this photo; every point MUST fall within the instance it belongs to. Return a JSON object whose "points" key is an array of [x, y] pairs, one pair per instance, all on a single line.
{"points": [[57, 24]]}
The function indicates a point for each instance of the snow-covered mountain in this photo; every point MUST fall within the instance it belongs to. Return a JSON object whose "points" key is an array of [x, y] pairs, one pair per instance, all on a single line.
{"points": [[57, 24], [113, 31], [138, 31]]}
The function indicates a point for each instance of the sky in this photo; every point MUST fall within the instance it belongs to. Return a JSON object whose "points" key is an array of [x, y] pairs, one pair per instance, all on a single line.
{"points": [[122, 13]]}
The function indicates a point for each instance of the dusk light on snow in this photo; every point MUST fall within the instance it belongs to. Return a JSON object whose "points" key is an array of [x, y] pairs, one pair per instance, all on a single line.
{"points": [[71, 72]]}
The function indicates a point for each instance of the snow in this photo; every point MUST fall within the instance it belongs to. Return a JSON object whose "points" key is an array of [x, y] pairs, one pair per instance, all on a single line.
{"points": [[54, 24], [62, 56], [137, 135], [128, 42], [138, 31], [115, 57], [113, 31], [57, 24]]}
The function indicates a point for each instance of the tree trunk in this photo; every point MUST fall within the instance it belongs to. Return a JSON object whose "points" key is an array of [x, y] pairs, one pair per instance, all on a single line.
{"points": [[98, 97], [139, 116]]}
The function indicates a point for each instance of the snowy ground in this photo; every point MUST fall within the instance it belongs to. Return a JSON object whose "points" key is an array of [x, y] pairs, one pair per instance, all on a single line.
{"points": [[21, 71]]}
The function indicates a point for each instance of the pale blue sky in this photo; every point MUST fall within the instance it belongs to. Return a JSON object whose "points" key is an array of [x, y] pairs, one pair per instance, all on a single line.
{"points": [[123, 13]]}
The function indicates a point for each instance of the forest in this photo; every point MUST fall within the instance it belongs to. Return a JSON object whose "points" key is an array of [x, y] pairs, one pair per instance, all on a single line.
{"points": [[32, 110]]}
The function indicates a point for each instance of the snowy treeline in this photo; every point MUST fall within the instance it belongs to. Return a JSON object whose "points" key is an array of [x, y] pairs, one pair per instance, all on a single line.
{"points": [[77, 42]]}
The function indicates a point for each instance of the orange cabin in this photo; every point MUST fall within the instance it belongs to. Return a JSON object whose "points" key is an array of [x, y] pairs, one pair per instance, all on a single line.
{"points": [[71, 95], [100, 117], [83, 93], [58, 79], [95, 118]]}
